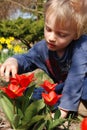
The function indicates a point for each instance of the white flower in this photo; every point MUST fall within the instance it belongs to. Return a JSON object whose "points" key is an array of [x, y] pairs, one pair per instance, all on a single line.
{"points": [[5, 51]]}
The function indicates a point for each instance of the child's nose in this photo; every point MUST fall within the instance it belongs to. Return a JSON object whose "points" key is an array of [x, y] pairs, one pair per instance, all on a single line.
{"points": [[52, 37]]}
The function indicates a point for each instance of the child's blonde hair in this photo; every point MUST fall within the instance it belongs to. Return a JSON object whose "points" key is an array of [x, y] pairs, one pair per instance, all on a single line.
{"points": [[63, 11]]}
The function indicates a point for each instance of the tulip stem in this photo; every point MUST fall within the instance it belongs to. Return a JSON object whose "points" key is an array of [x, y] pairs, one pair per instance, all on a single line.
{"points": [[14, 106]]}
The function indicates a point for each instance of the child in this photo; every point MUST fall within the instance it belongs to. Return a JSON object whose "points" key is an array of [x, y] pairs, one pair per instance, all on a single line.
{"points": [[62, 55]]}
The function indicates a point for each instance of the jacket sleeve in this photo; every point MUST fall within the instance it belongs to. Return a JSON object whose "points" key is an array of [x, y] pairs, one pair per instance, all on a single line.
{"points": [[31, 60], [73, 87]]}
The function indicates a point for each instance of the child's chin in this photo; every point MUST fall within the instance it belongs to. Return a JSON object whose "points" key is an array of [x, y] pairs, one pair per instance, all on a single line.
{"points": [[51, 48]]}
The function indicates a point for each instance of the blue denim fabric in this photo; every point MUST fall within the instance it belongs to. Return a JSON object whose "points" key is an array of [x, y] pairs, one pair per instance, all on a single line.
{"points": [[37, 94], [59, 88], [84, 93]]}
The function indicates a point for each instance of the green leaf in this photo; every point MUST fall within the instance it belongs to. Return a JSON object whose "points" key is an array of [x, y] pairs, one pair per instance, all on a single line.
{"points": [[57, 114], [40, 125], [30, 90], [34, 120], [16, 120], [26, 99], [7, 107], [55, 123], [33, 110]]}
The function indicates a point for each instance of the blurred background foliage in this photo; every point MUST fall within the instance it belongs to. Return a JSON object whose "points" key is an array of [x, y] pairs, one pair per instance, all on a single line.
{"points": [[29, 29], [22, 20], [21, 25]]}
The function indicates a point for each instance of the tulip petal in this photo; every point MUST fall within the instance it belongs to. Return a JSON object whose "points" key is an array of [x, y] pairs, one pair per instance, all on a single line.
{"points": [[51, 98], [48, 86], [8, 92], [84, 124], [17, 85]]}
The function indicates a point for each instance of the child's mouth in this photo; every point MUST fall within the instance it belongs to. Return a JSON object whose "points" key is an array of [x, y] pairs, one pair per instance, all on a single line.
{"points": [[51, 45]]}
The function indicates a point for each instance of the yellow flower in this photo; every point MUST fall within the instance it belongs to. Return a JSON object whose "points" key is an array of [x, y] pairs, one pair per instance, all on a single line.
{"points": [[2, 40], [1, 47], [8, 41], [11, 38], [18, 49], [9, 46]]}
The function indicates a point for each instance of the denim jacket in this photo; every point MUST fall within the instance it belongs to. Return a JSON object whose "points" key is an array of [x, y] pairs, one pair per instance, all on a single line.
{"points": [[70, 69]]}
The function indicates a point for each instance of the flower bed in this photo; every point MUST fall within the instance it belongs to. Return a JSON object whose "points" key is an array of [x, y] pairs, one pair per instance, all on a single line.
{"points": [[73, 124]]}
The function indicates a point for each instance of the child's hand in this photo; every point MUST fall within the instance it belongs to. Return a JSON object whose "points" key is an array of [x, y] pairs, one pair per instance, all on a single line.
{"points": [[64, 113], [9, 68]]}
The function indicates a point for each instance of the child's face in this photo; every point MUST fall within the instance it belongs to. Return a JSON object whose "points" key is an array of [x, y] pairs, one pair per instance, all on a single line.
{"points": [[58, 38]]}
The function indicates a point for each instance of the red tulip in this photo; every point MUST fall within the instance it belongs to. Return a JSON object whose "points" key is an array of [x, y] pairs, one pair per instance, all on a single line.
{"points": [[84, 124], [17, 85], [51, 98], [13, 91], [23, 80], [48, 86]]}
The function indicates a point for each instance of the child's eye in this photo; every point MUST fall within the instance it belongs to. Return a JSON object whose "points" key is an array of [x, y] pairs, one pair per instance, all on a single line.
{"points": [[48, 29], [62, 35]]}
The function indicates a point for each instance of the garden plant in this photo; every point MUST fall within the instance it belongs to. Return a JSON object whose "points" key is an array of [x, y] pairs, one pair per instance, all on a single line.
{"points": [[25, 113]]}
